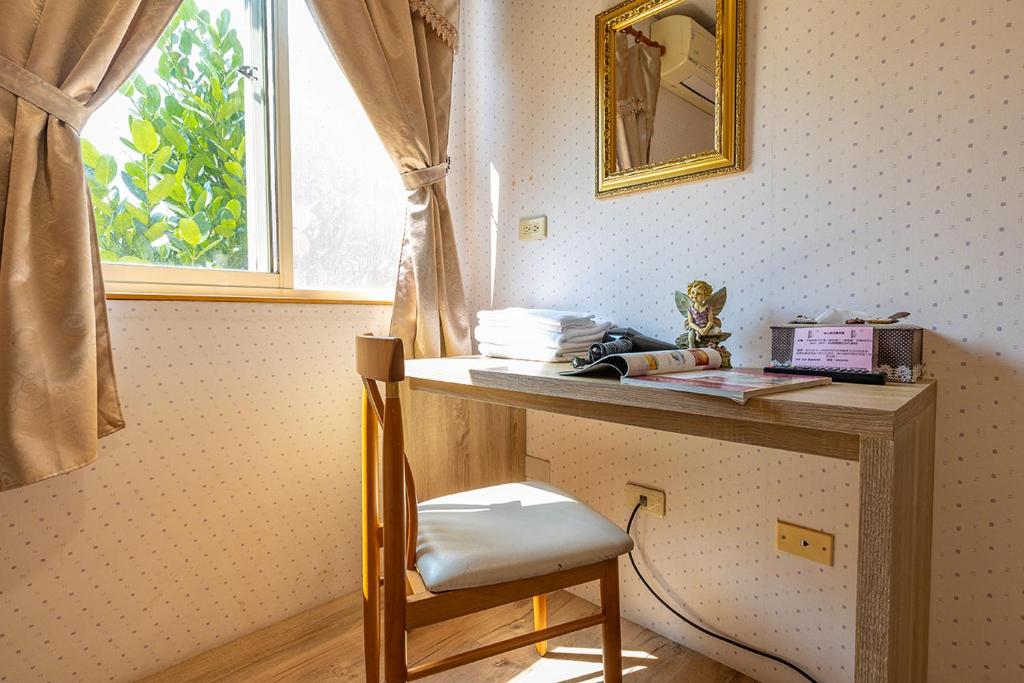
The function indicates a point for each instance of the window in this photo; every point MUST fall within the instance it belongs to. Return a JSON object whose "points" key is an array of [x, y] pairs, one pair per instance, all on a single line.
{"points": [[354, 236], [238, 161]]}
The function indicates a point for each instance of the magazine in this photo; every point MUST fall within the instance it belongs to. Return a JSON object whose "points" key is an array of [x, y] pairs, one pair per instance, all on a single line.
{"points": [[651, 363], [739, 385]]}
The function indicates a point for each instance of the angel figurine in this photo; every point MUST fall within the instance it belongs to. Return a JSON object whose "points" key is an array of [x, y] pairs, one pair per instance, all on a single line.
{"points": [[703, 328]]}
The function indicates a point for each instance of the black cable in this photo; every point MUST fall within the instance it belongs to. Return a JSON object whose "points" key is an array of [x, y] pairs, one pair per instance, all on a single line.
{"points": [[697, 626]]}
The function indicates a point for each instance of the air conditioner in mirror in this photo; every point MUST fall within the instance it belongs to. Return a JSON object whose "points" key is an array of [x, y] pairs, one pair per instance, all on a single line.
{"points": [[688, 65]]}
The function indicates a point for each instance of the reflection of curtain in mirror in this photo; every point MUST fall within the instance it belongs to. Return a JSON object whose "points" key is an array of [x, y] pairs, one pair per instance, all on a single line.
{"points": [[637, 82]]}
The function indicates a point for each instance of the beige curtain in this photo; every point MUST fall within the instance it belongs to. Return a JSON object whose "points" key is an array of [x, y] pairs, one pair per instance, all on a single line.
{"points": [[59, 60], [637, 84], [398, 56]]}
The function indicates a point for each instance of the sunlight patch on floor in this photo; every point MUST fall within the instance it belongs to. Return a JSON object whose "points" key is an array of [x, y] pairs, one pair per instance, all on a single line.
{"points": [[578, 665]]}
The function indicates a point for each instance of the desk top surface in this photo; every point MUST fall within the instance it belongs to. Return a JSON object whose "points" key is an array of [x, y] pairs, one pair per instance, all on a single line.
{"points": [[842, 408]]}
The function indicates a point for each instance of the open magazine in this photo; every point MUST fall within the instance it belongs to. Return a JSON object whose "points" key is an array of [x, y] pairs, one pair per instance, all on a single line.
{"points": [[651, 363], [739, 385], [694, 371]]}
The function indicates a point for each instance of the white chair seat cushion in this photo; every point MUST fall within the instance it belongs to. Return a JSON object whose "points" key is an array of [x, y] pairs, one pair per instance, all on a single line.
{"points": [[509, 532]]}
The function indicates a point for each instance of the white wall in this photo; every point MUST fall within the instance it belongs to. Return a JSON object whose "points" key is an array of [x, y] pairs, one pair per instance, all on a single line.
{"points": [[230, 501], [884, 172]]}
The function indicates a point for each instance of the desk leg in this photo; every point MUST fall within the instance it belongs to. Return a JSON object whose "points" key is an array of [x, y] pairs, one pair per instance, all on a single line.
{"points": [[456, 444], [894, 554]]}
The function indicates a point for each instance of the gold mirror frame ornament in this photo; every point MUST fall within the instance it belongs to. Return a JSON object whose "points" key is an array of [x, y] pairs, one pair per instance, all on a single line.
{"points": [[727, 156]]}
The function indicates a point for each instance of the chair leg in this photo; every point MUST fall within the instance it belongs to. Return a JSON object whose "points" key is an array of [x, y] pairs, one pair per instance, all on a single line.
{"points": [[611, 629], [393, 498], [371, 547], [540, 620], [371, 630]]}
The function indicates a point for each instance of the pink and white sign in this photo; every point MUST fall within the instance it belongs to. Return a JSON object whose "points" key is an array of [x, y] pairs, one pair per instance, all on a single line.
{"points": [[841, 348]]}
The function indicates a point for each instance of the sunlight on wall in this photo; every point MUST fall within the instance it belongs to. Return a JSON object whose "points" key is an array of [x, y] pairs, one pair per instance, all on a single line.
{"points": [[495, 212]]}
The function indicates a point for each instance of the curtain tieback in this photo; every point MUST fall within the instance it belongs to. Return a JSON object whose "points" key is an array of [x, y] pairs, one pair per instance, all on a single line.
{"points": [[422, 177], [26, 85]]}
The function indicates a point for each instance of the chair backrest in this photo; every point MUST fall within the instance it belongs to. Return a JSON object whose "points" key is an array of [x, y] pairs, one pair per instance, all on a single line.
{"points": [[382, 359]]}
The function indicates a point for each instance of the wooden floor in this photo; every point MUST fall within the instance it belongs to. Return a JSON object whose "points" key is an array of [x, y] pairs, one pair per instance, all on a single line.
{"points": [[325, 645]]}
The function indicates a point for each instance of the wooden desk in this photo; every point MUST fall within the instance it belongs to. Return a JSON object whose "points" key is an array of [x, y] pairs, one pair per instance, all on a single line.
{"points": [[890, 430]]}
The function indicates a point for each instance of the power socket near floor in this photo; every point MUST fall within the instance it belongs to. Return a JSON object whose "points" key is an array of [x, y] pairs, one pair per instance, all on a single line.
{"points": [[652, 500], [537, 469]]}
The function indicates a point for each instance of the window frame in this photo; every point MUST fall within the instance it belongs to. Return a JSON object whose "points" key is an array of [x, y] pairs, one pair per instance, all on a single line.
{"points": [[269, 21]]}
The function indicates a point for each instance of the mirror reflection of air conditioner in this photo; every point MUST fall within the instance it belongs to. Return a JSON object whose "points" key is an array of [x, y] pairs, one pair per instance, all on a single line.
{"points": [[688, 65]]}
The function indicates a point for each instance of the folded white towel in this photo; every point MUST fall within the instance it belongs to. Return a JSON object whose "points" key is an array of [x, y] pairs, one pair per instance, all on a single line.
{"points": [[523, 335], [536, 317], [527, 352]]}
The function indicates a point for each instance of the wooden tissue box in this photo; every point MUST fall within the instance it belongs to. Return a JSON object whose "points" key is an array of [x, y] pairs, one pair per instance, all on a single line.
{"points": [[897, 349]]}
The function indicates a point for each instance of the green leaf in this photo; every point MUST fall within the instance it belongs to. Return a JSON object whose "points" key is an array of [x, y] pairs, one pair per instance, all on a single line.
{"points": [[226, 228], [172, 135], [223, 21], [235, 168], [161, 157], [144, 136], [163, 188], [164, 66], [235, 207], [105, 169], [139, 214], [230, 108], [188, 10], [189, 232], [234, 185], [199, 196], [178, 195], [196, 165], [89, 153], [152, 97], [132, 259], [157, 230], [123, 222], [133, 187], [107, 255]]}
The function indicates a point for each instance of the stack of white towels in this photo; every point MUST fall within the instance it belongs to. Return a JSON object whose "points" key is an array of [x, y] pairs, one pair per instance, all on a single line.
{"points": [[537, 334]]}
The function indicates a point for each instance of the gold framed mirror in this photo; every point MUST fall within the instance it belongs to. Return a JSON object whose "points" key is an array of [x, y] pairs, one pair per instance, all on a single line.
{"points": [[669, 93]]}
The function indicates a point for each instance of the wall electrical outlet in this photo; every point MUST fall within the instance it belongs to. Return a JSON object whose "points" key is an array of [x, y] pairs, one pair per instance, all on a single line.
{"points": [[655, 499], [533, 228], [809, 544]]}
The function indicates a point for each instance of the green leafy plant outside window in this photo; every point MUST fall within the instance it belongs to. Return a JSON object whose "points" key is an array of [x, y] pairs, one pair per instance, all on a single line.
{"points": [[181, 199]]}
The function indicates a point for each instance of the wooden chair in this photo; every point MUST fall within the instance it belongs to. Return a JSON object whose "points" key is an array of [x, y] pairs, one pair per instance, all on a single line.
{"points": [[468, 552]]}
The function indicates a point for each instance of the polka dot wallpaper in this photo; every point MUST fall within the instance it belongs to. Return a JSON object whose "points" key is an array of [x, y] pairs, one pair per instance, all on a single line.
{"points": [[714, 552], [884, 173], [230, 502]]}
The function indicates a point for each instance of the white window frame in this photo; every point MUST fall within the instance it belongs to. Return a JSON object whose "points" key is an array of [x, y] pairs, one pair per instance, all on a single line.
{"points": [[130, 281]]}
